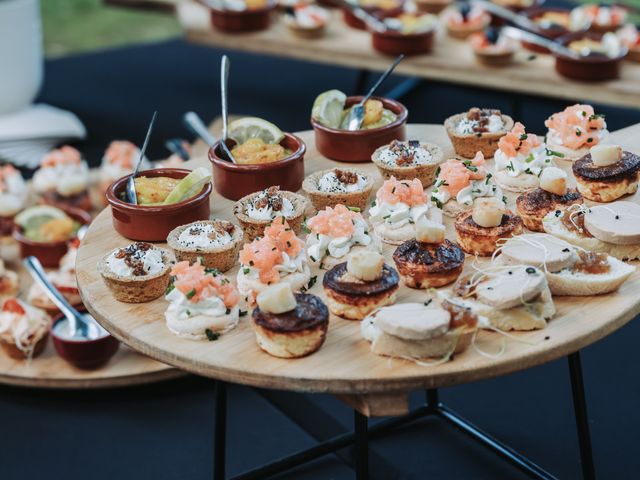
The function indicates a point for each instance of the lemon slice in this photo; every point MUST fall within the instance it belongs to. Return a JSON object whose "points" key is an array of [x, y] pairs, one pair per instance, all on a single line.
{"points": [[328, 108], [243, 129], [33, 217], [189, 186]]}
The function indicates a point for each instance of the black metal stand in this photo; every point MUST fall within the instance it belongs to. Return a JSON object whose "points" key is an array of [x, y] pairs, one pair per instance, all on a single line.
{"points": [[362, 433]]}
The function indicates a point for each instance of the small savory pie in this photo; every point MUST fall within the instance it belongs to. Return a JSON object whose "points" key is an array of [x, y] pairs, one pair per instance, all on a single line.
{"points": [[397, 207], [334, 233], [13, 197], [257, 210], [137, 273], [23, 329], [359, 286], [569, 270], [607, 173], [574, 131], [408, 160], [552, 194], [348, 186], [613, 229], [477, 130], [479, 230], [520, 159], [278, 256], [512, 297], [289, 325], [214, 243], [63, 179], [429, 261], [64, 279], [203, 303], [414, 331], [466, 19], [460, 182]]}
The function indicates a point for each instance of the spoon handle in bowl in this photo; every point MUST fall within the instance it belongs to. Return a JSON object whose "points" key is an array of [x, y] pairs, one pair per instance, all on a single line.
{"points": [[197, 126], [382, 78]]}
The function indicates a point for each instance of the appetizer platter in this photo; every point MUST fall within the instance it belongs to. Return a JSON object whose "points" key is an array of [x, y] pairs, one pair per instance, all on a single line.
{"points": [[399, 295]]}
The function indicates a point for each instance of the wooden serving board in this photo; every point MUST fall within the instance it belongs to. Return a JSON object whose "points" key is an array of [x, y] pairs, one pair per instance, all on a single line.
{"points": [[452, 60], [345, 365]]}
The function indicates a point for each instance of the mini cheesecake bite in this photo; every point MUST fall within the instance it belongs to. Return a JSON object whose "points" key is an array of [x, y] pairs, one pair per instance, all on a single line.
{"points": [[289, 325], [214, 243], [607, 173], [429, 260], [347, 186], [359, 286], [408, 160], [477, 130], [397, 207], [336, 232], [203, 304], [137, 273], [552, 194], [479, 230]]}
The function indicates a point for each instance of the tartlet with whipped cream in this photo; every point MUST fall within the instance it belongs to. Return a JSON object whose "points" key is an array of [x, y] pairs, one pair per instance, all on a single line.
{"points": [[408, 160], [477, 130], [257, 210], [13, 197], [24, 329], [215, 243], [203, 303], [347, 186], [137, 273], [335, 233]]}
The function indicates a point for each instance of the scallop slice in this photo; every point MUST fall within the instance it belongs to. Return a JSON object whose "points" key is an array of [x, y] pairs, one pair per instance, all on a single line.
{"points": [[539, 250], [414, 321], [511, 287], [617, 222]]}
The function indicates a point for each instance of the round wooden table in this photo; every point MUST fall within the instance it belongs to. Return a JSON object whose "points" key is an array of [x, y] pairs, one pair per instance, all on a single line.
{"points": [[344, 365]]}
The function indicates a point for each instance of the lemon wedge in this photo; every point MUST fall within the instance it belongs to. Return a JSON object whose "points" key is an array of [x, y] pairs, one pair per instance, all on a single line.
{"points": [[189, 186], [328, 108], [243, 129]]}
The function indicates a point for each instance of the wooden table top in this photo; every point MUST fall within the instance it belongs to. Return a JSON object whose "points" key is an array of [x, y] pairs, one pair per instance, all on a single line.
{"points": [[345, 365], [451, 61]]}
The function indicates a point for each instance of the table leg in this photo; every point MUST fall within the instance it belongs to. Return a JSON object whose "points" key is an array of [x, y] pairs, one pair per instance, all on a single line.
{"points": [[361, 426], [582, 419], [220, 434]]}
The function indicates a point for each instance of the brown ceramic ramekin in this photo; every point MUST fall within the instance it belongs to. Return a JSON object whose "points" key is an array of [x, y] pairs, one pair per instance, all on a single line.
{"points": [[551, 33], [234, 181], [354, 22], [84, 354], [594, 68], [394, 43], [153, 223], [252, 20], [49, 253], [358, 146]]}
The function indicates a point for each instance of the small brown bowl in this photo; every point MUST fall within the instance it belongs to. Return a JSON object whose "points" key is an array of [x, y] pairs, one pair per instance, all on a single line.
{"points": [[49, 253], [234, 181], [354, 22], [253, 20], [394, 43], [634, 54], [432, 6], [153, 223], [84, 354], [358, 146], [550, 33], [595, 68]]}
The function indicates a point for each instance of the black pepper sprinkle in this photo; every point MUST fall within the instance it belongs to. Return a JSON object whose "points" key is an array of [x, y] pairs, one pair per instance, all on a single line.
{"points": [[530, 270], [547, 338]]}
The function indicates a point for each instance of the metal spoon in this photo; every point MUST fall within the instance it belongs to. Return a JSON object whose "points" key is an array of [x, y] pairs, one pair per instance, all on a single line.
{"points": [[370, 20], [356, 115], [552, 45], [224, 78], [505, 13], [131, 185], [197, 126], [81, 326], [176, 146]]}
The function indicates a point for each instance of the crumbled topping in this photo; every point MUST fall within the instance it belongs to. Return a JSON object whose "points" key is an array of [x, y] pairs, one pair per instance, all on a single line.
{"points": [[345, 176], [481, 115], [133, 257], [405, 153], [270, 197]]}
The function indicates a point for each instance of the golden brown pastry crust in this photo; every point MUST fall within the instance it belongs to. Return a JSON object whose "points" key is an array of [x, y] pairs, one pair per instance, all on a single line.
{"points": [[532, 206], [606, 184], [477, 240], [428, 265]]}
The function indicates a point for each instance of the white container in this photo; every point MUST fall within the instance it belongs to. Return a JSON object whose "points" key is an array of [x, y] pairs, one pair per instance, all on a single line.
{"points": [[21, 60]]}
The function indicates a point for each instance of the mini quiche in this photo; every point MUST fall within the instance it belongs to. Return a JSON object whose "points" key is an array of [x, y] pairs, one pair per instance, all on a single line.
{"points": [[347, 186]]}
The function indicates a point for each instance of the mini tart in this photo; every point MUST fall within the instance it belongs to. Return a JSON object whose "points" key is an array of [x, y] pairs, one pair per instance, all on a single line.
{"points": [[533, 205], [351, 298], [477, 240], [255, 228], [11, 349], [223, 258], [322, 200], [293, 334], [428, 265], [467, 145], [606, 184], [140, 289], [425, 172]]}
